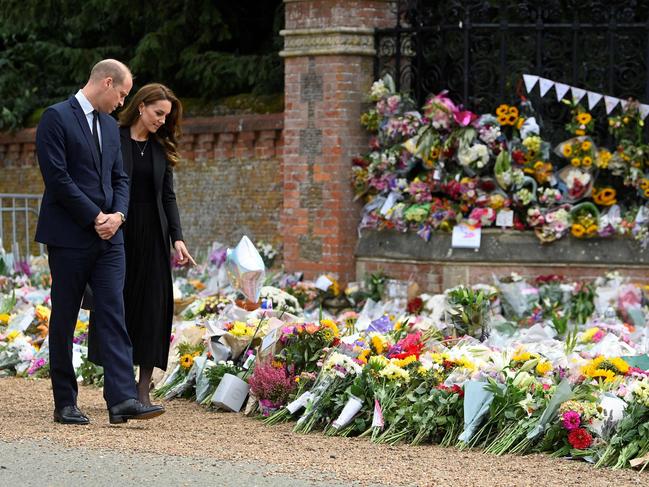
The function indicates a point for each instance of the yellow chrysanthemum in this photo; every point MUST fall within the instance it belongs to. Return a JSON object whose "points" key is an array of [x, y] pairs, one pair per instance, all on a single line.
{"points": [[543, 367], [588, 335], [604, 157], [331, 324], [404, 361], [521, 355]]}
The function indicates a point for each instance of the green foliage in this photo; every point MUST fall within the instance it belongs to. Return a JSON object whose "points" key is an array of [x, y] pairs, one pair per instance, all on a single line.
{"points": [[469, 310], [200, 48]]}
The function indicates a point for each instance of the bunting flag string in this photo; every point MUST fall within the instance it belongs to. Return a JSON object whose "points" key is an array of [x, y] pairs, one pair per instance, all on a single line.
{"points": [[593, 98]]}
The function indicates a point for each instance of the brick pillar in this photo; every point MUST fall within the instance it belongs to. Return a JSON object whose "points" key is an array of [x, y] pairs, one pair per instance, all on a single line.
{"points": [[328, 54]]}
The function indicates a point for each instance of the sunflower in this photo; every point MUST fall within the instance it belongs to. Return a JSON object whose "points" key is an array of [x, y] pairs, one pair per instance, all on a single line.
{"points": [[502, 119], [584, 118], [646, 193], [566, 150], [575, 161], [513, 112], [644, 183], [586, 145], [577, 230], [511, 119], [186, 361], [587, 161], [606, 196], [502, 110], [591, 230]]}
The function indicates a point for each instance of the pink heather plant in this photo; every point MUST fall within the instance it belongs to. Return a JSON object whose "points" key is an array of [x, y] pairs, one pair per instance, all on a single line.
{"points": [[272, 384]]}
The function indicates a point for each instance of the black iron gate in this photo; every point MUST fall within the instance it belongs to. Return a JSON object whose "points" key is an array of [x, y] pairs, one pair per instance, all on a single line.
{"points": [[478, 49]]}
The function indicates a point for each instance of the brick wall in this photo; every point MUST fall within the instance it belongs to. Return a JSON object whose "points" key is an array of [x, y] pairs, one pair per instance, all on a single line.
{"points": [[435, 277], [228, 184], [328, 52]]}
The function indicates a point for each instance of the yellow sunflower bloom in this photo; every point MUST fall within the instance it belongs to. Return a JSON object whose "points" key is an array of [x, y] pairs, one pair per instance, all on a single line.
{"points": [[577, 230], [584, 118], [575, 161], [513, 112], [566, 150], [587, 161], [586, 145], [502, 110], [186, 361]]}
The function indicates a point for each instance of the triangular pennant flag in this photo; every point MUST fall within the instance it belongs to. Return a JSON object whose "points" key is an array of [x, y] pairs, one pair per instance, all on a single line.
{"points": [[530, 81], [593, 99], [610, 102], [577, 93], [624, 103], [545, 84], [561, 90], [644, 111]]}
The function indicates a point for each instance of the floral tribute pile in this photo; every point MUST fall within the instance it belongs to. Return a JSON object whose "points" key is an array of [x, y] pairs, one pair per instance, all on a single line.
{"points": [[516, 366], [430, 168]]}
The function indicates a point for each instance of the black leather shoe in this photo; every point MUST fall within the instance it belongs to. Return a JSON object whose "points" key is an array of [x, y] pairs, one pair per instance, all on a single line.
{"points": [[70, 415], [132, 409]]}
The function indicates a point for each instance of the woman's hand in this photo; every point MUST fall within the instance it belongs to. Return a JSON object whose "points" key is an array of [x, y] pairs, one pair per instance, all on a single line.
{"points": [[182, 254]]}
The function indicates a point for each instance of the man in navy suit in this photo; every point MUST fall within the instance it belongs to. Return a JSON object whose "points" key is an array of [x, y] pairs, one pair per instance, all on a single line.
{"points": [[84, 204]]}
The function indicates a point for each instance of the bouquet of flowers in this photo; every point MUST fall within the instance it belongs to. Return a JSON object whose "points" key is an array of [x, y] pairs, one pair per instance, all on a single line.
{"points": [[272, 383]]}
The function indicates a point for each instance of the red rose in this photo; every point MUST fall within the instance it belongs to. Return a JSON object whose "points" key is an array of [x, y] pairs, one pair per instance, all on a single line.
{"points": [[580, 439], [415, 305]]}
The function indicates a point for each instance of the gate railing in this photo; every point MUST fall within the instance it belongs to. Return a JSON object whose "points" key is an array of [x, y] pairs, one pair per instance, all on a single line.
{"points": [[18, 217]]}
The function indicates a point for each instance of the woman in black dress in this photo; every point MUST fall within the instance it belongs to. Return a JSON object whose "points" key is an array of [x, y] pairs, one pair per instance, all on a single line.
{"points": [[150, 128]]}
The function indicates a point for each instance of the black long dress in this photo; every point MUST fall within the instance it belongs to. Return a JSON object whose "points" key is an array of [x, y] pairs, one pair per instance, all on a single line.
{"points": [[148, 294]]}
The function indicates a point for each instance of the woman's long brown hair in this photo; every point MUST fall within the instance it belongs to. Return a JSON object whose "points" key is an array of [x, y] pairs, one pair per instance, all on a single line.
{"points": [[169, 133]]}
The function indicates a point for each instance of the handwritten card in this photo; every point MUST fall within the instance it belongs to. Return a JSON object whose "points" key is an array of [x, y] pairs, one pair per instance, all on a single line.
{"points": [[505, 218], [466, 237]]}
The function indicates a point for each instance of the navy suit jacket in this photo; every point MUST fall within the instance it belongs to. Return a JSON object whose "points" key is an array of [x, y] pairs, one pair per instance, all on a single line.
{"points": [[79, 183]]}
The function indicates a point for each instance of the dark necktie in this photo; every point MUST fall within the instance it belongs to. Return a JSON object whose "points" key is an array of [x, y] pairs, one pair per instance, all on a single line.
{"points": [[95, 132]]}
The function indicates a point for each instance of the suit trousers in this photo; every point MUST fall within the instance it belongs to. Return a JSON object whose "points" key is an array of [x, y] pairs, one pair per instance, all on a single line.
{"points": [[102, 265]]}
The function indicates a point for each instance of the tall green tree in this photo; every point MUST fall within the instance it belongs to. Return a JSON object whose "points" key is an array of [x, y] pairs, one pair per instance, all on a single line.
{"points": [[200, 48]]}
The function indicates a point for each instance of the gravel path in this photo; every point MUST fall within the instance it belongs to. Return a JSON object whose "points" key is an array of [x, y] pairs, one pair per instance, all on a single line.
{"points": [[206, 439]]}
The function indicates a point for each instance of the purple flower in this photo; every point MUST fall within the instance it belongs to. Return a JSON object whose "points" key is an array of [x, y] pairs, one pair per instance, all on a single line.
{"points": [[381, 325], [571, 420]]}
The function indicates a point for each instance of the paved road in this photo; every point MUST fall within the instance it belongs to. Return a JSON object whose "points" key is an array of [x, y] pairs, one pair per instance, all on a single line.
{"points": [[31, 463]]}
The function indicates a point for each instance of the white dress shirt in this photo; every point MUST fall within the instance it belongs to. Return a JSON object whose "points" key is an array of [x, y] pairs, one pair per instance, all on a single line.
{"points": [[87, 108]]}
